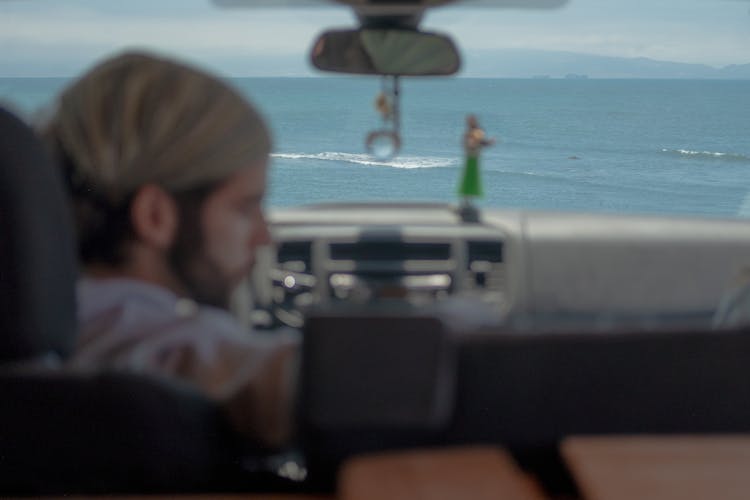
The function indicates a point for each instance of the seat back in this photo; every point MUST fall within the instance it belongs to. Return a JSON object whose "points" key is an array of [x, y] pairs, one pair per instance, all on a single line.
{"points": [[530, 391], [37, 258], [111, 433], [372, 381], [73, 433]]}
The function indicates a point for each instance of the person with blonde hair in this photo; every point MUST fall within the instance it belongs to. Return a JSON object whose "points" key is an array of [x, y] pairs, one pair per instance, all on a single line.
{"points": [[166, 167]]}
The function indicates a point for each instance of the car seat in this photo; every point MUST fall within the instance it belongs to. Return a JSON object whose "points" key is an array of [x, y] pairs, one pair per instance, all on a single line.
{"points": [[63, 432]]}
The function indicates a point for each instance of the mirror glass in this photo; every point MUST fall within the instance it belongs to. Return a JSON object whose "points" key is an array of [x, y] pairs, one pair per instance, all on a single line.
{"points": [[385, 52]]}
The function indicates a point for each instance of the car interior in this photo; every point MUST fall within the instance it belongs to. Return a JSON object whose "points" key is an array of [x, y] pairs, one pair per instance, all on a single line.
{"points": [[443, 356]]}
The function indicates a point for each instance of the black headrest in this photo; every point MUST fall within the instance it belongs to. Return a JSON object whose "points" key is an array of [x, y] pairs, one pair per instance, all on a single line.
{"points": [[37, 258]]}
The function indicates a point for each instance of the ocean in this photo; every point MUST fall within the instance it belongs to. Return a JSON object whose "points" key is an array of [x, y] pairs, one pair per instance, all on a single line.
{"points": [[618, 146]]}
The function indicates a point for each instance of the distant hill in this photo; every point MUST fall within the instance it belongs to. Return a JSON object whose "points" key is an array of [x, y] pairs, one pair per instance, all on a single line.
{"points": [[505, 63], [520, 63]]}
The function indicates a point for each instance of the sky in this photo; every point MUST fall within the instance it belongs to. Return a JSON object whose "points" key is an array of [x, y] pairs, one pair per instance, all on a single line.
{"points": [[63, 37]]}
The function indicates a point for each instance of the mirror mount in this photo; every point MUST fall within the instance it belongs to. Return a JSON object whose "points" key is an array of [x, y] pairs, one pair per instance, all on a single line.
{"points": [[404, 21]]}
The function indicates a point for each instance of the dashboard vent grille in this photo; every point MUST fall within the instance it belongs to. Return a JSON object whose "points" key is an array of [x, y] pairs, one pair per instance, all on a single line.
{"points": [[295, 251], [487, 251], [390, 251]]}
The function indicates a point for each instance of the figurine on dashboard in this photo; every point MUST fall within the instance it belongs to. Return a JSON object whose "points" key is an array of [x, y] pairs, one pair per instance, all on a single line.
{"points": [[471, 184]]}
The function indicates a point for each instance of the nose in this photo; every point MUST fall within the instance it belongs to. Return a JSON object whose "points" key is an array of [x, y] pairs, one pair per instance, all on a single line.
{"points": [[261, 235]]}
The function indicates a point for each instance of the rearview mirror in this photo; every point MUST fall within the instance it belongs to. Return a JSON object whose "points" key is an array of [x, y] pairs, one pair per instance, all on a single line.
{"points": [[400, 52]]}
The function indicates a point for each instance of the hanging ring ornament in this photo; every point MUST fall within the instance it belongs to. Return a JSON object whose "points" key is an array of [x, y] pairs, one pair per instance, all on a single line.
{"points": [[383, 144]]}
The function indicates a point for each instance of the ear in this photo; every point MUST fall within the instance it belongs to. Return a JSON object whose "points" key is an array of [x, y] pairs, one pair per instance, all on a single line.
{"points": [[154, 216]]}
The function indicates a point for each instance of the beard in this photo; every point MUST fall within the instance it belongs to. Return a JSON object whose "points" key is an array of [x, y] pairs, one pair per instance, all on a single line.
{"points": [[202, 278]]}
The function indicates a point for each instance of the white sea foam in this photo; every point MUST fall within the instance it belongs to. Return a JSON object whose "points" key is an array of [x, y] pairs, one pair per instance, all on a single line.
{"points": [[365, 159], [707, 154]]}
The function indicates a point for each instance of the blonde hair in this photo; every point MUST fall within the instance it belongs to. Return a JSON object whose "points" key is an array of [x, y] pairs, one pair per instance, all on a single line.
{"points": [[136, 118]]}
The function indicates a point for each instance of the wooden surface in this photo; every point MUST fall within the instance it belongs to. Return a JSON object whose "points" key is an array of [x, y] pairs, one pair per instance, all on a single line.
{"points": [[206, 496], [472, 473], [445, 474], [660, 467]]}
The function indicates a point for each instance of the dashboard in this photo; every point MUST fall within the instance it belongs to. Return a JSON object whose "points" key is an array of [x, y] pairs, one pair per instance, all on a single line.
{"points": [[538, 270], [380, 263]]}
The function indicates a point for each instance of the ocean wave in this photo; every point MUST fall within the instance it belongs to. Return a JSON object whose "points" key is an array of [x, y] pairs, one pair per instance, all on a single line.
{"points": [[365, 159], [707, 154]]}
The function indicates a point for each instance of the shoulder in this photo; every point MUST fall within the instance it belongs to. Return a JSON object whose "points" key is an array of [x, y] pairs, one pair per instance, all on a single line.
{"points": [[118, 316], [96, 295]]}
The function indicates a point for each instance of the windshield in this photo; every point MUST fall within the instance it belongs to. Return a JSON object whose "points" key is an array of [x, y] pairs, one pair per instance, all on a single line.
{"points": [[601, 106]]}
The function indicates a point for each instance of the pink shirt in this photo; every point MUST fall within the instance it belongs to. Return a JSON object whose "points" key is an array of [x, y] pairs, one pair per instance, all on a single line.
{"points": [[136, 326]]}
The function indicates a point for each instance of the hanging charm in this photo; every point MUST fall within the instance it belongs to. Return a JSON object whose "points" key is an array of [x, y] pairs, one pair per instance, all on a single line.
{"points": [[383, 106], [385, 143]]}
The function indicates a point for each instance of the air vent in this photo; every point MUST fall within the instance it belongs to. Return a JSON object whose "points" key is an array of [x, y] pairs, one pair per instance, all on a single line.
{"points": [[485, 251], [295, 251], [390, 251]]}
